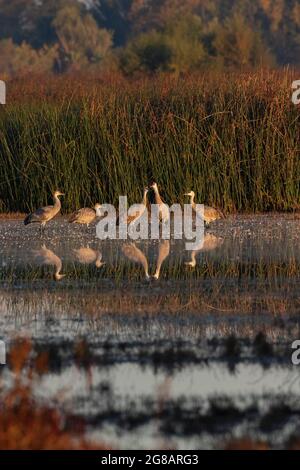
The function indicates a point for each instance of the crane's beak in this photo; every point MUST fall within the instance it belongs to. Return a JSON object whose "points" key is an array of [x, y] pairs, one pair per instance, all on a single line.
{"points": [[187, 194]]}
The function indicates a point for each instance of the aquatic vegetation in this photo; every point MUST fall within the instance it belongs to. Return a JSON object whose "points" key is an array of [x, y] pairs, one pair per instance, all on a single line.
{"points": [[201, 355], [234, 138]]}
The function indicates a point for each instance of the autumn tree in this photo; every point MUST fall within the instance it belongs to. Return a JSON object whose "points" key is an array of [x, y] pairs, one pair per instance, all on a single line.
{"points": [[148, 35], [184, 37], [80, 39], [237, 45], [16, 60], [175, 48], [147, 53]]}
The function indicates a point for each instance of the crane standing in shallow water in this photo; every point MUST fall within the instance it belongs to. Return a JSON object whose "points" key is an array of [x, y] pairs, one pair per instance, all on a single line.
{"points": [[143, 206], [163, 209], [44, 214], [136, 212], [209, 214], [86, 215]]}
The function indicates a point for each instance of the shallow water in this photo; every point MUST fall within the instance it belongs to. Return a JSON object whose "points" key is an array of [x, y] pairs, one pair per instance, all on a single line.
{"points": [[197, 357]]}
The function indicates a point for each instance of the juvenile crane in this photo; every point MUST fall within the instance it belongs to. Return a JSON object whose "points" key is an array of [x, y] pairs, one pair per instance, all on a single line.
{"points": [[163, 209], [44, 214], [86, 215], [209, 214]]}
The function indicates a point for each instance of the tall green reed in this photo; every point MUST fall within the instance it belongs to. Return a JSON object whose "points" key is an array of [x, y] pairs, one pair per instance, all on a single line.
{"points": [[233, 139]]}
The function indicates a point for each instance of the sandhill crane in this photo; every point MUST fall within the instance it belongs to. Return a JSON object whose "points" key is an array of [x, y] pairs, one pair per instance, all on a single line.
{"points": [[48, 257], [209, 213], [44, 214], [209, 243], [135, 216], [86, 255], [143, 206], [132, 252], [163, 253], [163, 209], [86, 215]]}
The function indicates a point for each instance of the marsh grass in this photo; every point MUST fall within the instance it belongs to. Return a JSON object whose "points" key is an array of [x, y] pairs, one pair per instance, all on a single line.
{"points": [[259, 272], [233, 138]]}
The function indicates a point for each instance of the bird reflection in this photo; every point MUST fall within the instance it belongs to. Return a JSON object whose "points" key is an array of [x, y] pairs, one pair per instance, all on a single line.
{"points": [[86, 255], [163, 253], [48, 257], [209, 243], [132, 252]]}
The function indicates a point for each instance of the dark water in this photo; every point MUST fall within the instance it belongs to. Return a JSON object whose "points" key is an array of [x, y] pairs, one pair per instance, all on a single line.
{"points": [[193, 359]]}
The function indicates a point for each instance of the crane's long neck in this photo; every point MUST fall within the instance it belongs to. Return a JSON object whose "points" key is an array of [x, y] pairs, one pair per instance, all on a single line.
{"points": [[57, 203], [58, 268], [192, 201], [158, 199], [158, 268], [99, 261], [146, 270], [144, 201]]}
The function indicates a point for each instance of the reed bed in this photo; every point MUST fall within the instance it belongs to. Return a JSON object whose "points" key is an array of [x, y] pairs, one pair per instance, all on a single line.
{"points": [[195, 301], [232, 138]]}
